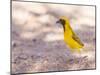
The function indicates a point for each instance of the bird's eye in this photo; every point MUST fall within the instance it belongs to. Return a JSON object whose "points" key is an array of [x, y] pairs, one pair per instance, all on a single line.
{"points": [[62, 21]]}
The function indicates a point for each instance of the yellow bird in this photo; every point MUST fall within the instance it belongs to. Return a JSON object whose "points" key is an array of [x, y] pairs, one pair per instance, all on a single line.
{"points": [[70, 38]]}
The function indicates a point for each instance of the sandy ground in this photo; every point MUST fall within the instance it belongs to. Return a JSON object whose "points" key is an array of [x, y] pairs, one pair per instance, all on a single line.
{"points": [[37, 41]]}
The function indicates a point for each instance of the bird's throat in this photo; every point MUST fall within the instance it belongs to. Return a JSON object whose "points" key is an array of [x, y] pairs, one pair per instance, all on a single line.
{"points": [[64, 28]]}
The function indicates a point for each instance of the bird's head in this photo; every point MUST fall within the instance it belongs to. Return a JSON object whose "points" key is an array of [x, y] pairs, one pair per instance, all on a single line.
{"points": [[63, 21]]}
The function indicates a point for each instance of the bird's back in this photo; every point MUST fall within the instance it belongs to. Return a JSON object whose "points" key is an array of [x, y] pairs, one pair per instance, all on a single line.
{"points": [[72, 39]]}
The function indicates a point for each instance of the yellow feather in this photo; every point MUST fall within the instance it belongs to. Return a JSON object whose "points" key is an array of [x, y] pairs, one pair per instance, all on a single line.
{"points": [[70, 38]]}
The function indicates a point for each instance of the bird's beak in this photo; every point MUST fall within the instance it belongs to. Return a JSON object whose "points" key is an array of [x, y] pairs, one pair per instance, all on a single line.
{"points": [[58, 21]]}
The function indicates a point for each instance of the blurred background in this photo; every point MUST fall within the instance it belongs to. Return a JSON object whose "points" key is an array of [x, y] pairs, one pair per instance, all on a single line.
{"points": [[37, 41]]}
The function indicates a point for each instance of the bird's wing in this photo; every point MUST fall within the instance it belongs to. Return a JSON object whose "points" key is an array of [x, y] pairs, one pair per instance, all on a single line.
{"points": [[76, 38]]}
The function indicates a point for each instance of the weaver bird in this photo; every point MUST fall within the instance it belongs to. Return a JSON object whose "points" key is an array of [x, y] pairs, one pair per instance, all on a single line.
{"points": [[70, 38]]}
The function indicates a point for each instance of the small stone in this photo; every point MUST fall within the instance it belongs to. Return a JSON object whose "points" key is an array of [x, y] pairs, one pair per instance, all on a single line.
{"points": [[34, 40], [24, 57], [14, 44]]}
